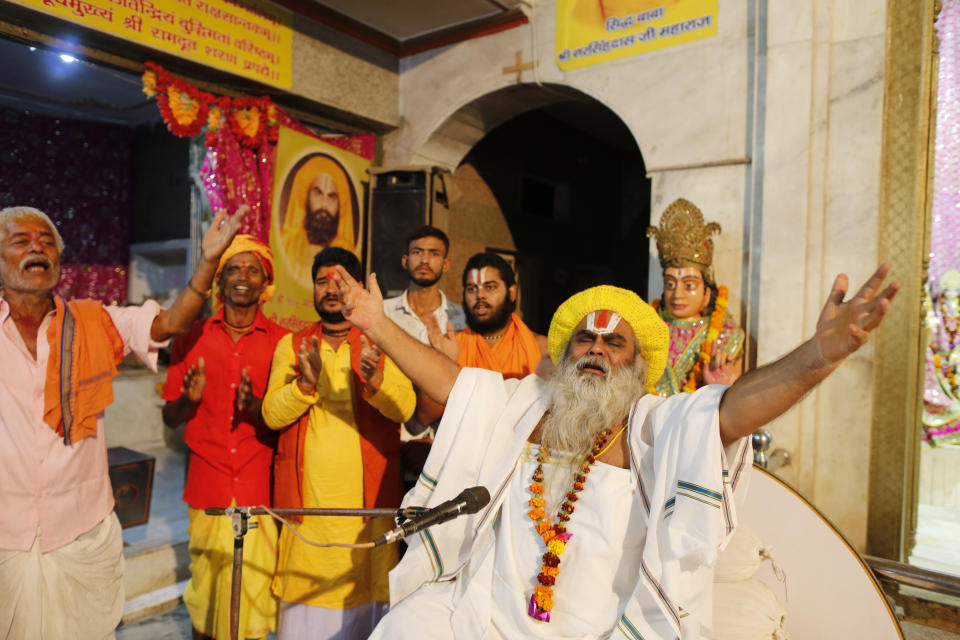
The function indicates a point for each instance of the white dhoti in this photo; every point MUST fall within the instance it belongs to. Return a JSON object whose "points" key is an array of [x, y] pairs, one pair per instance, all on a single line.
{"points": [[75, 591], [308, 622], [424, 615]]}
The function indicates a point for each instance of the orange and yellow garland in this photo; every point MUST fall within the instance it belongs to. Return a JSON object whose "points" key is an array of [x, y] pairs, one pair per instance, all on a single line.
{"points": [[713, 331], [555, 536], [186, 110]]}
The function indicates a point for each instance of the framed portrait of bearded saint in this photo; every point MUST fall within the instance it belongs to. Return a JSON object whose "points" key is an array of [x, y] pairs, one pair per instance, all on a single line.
{"points": [[317, 203]]}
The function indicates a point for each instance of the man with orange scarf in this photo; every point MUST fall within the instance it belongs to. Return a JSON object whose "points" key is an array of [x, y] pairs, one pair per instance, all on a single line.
{"points": [[231, 448], [495, 337], [338, 403], [61, 561]]}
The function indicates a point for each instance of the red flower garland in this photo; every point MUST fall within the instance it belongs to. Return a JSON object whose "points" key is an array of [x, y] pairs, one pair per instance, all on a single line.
{"points": [[186, 110]]}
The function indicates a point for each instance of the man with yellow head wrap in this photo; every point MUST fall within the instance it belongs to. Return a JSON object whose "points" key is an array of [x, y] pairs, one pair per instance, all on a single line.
{"points": [[319, 214], [217, 378], [609, 503]]}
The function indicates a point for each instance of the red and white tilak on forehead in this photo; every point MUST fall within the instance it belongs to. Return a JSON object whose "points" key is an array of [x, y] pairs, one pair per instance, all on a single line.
{"points": [[477, 276], [602, 322]]}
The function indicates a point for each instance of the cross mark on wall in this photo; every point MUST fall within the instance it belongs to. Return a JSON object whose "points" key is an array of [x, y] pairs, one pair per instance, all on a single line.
{"points": [[519, 67]]}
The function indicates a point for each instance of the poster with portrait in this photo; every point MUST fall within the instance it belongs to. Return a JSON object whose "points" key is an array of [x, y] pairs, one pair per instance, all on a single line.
{"points": [[318, 199]]}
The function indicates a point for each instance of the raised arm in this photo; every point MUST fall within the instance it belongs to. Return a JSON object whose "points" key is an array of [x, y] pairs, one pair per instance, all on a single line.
{"points": [[430, 370], [766, 392], [188, 305]]}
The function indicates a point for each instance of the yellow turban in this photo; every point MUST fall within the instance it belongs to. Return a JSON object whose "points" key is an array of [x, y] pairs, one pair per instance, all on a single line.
{"points": [[653, 337], [244, 243]]}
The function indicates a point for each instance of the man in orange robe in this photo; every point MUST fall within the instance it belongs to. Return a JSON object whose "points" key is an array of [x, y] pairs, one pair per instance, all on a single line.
{"points": [[495, 337]]}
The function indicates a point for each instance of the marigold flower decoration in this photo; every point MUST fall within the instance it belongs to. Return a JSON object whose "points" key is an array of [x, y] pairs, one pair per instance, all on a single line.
{"points": [[713, 331], [248, 121], [149, 81], [184, 107], [555, 536], [215, 118], [186, 110]]}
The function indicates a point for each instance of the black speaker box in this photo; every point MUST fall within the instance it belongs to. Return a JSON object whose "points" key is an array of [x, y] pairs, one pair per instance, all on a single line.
{"points": [[400, 202], [131, 474]]}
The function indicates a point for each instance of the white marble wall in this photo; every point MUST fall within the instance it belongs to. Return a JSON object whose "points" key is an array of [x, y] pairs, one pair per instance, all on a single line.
{"points": [[819, 98], [821, 186]]}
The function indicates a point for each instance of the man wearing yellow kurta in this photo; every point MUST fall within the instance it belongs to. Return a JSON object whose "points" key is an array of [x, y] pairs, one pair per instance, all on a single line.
{"points": [[339, 402]]}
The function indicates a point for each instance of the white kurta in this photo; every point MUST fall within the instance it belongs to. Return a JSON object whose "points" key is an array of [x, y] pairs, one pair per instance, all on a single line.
{"points": [[599, 568], [681, 486]]}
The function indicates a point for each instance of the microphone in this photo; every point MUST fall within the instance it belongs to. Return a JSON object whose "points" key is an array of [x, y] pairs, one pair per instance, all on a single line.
{"points": [[469, 501]]}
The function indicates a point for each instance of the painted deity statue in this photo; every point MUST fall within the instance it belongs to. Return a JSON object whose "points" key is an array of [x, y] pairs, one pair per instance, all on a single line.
{"points": [[941, 397], [706, 343]]}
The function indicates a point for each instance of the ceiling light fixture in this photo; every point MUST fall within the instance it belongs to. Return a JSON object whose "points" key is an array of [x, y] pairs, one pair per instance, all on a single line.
{"points": [[67, 58]]}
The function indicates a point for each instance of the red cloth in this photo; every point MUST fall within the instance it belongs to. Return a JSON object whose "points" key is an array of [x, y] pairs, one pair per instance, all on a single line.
{"points": [[230, 458], [380, 444]]}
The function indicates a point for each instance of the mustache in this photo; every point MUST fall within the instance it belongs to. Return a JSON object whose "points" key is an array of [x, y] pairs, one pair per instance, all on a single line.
{"points": [[322, 212], [36, 259], [593, 361]]}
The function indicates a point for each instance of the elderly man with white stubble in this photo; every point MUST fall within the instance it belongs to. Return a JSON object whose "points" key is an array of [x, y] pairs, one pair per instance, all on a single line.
{"points": [[61, 562]]}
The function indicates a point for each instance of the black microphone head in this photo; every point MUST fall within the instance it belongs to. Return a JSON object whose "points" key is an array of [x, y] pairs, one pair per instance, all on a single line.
{"points": [[476, 498]]}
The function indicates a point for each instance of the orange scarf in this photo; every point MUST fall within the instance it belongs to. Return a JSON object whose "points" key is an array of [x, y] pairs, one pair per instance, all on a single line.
{"points": [[85, 349], [515, 354]]}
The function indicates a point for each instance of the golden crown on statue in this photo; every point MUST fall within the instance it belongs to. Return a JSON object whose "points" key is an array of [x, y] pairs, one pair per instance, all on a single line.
{"points": [[683, 238]]}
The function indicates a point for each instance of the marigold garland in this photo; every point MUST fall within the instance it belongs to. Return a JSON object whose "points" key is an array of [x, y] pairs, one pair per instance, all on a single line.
{"points": [[186, 110], [713, 331], [555, 536]]}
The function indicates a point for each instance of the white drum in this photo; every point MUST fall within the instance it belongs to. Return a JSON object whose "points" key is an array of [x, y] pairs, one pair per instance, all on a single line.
{"points": [[830, 592]]}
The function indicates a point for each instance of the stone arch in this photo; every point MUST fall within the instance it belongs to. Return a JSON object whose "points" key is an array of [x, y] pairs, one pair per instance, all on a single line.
{"points": [[466, 124], [568, 143]]}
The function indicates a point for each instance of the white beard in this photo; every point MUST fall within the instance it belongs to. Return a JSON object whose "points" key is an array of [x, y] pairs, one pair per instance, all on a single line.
{"points": [[583, 404]]}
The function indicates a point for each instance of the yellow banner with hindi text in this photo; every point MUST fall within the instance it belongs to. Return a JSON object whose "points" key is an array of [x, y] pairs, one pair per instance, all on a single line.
{"points": [[594, 31], [250, 38]]}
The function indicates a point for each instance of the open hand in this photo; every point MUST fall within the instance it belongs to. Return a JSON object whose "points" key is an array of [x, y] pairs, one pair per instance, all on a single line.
{"points": [[445, 343], [362, 307], [845, 326], [221, 233], [246, 400], [194, 380], [310, 364]]}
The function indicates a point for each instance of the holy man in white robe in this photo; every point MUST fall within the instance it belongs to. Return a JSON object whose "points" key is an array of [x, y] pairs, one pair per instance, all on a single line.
{"points": [[609, 504]]}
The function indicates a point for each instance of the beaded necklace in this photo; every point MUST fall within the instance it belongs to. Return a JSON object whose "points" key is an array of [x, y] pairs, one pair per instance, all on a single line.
{"points": [[555, 536]]}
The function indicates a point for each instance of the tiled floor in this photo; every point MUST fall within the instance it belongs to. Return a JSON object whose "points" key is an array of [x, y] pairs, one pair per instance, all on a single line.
{"points": [[170, 625], [938, 539]]}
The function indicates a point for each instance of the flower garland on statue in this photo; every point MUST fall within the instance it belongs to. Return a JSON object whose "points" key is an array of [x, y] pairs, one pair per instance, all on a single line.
{"points": [[713, 331], [555, 535], [186, 110]]}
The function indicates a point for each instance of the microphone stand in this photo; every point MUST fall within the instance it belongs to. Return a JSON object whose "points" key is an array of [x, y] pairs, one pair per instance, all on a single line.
{"points": [[241, 524]]}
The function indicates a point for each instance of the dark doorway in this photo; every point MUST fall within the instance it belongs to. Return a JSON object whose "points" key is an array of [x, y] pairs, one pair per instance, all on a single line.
{"points": [[572, 186]]}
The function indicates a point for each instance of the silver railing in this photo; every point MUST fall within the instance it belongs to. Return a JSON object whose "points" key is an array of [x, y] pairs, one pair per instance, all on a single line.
{"points": [[763, 440], [907, 574]]}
